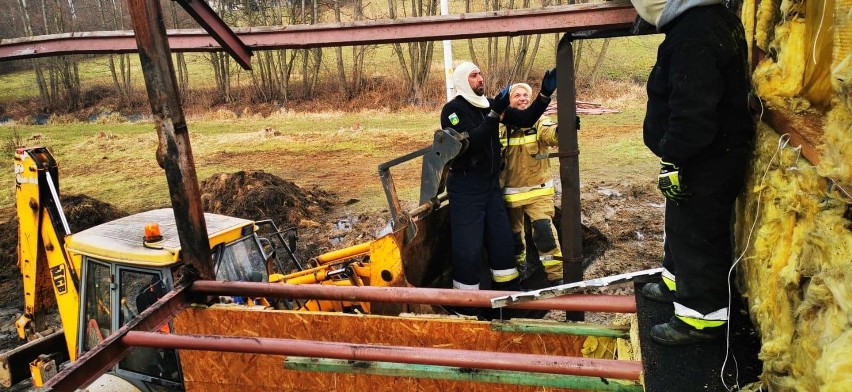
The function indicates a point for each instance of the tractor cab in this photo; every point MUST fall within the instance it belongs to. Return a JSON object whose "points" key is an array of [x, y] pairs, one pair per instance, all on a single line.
{"points": [[124, 272]]}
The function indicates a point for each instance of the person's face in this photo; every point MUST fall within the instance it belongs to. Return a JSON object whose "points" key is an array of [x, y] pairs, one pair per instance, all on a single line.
{"points": [[519, 99], [477, 84]]}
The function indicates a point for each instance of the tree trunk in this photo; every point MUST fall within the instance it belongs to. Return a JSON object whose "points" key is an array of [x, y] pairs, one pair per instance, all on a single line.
{"points": [[317, 54], [593, 75], [220, 62], [180, 61], [416, 65], [43, 91], [338, 52]]}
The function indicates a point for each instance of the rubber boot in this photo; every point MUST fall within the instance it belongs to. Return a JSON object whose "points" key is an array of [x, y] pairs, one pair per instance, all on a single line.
{"points": [[658, 292], [678, 333]]}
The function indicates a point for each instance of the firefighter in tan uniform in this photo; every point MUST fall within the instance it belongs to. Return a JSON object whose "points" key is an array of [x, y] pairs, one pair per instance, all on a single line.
{"points": [[528, 186]]}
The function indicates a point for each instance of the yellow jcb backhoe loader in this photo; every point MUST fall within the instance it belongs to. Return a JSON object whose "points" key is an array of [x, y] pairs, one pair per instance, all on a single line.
{"points": [[104, 276]]}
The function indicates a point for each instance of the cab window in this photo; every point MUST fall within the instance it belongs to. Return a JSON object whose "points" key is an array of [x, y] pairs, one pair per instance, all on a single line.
{"points": [[98, 316], [242, 261], [137, 291]]}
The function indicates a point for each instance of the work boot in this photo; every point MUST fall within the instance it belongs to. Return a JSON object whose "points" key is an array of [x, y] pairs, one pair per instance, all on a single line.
{"points": [[658, 292], [558, 282], [678, 333]]}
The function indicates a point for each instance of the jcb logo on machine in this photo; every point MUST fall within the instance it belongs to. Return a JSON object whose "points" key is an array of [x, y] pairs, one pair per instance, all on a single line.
{"points": [[19, 176], [59, 281]]}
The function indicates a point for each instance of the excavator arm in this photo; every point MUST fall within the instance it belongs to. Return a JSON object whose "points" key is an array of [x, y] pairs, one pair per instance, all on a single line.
{"points": [[50, 275]]}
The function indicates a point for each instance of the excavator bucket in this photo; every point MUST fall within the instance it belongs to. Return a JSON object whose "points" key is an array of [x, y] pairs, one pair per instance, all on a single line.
{"points": [[423, 233]]}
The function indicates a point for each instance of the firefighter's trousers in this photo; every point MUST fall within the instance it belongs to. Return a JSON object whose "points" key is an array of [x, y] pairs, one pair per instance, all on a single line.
{"points": [[478, 217], [699, 244], [540, 210]]}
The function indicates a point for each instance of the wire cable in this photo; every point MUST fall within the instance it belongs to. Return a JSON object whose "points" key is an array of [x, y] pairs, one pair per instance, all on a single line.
{"points": [[783, 141], [816, 36]]}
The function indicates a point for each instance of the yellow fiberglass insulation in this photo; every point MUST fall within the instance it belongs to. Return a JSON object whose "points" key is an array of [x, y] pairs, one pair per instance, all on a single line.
{"points": [[779, 82], [836, 149], [796, 270], [766, 14]]}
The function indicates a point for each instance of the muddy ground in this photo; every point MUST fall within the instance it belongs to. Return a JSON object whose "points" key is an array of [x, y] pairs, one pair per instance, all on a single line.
{"points": [[623, 228]]}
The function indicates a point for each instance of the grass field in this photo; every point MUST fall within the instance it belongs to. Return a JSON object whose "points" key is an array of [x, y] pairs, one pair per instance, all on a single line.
{"points": [[335, 151], [331, 146]]}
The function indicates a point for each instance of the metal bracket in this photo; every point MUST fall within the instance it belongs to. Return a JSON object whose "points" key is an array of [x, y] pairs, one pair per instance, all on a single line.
{"points": [[569, 288], [561, 154], [446, 145]]}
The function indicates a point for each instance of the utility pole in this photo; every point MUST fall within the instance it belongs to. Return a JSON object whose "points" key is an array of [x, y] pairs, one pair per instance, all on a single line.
{"points": [[448, 57]]}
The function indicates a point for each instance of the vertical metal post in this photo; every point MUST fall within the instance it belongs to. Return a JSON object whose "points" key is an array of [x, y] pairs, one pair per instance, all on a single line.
{"points": [[174, 153], [569, 168]]}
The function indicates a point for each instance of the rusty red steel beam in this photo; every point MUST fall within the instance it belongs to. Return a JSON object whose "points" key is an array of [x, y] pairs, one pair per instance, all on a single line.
{"points": [[567, 18], [551, 364], [174, 152], [88, 367], [414, 295], [219, 31]]}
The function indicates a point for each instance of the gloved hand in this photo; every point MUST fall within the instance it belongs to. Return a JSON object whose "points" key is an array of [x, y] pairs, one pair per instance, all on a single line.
{"points": [[669, 182], [501, 101], [548, 83]]}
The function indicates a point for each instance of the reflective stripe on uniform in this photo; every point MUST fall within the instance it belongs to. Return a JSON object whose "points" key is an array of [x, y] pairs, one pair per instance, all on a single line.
{"points": [[528, 192], [549, 260], [504, 275], [519, 141], [521, 258], [462, 286], [700, 321], [669, 280], [524, 189]]}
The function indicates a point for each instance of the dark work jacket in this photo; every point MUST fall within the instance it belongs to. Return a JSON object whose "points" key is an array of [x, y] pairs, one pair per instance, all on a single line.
{"points": [[483, 151], [698, 89]]}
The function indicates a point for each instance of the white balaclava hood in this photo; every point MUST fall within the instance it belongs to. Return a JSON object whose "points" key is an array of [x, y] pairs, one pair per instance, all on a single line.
{"points": [[649, 10], [661, 12], [462, 86]]}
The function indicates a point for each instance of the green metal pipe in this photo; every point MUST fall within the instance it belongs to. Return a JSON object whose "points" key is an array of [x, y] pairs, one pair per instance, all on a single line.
{"points": [[561, 329], [460, 374]]}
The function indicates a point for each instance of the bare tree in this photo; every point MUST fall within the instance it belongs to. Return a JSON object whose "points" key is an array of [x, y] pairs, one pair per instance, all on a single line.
{"points": [[592, 78], [352, 85], [44, 92], [62, 85], [502, 55], [311, 58], [415, 58], [121, 75], [180, 60]]}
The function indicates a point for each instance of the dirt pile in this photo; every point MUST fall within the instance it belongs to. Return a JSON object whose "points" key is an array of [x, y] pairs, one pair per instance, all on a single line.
{"points": [[259, 195]]}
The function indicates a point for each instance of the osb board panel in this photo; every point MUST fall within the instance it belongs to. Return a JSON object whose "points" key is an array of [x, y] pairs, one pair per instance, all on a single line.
{"points": [[211, 371]]}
